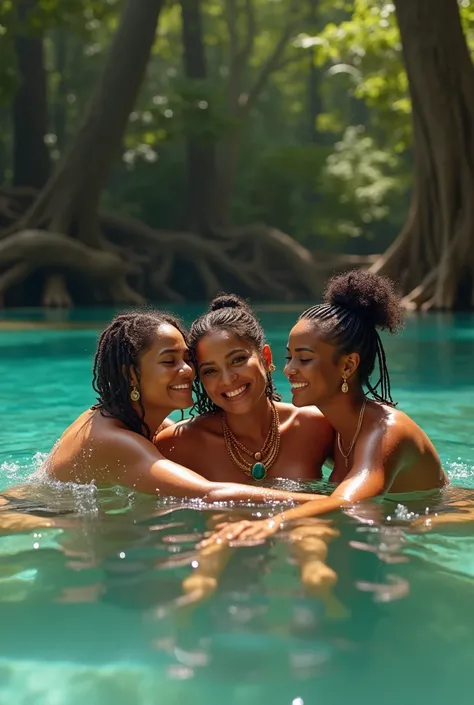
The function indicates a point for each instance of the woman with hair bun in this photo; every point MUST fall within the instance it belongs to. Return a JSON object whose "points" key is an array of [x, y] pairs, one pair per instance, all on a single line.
{"points": [[142, 372], [333, 351], [244, 432]]}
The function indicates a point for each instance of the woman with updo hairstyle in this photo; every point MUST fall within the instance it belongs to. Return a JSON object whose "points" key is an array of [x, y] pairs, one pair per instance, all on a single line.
{"points": [[142, 372], [336, 361], [241, 431]]}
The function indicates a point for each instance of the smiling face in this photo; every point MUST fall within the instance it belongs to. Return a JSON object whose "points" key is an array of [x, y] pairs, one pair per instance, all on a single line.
{"points": [[314, 368], [232, 372], [166, 375]]}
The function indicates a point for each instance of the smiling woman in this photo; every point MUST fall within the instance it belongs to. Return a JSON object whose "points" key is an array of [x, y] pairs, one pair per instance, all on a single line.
{"points": [[142, 373], [333, 350], [243, 432]]}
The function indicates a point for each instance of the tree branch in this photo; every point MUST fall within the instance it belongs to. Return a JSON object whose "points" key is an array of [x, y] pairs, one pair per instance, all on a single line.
{"points": [[239, 56], [248, 100]]}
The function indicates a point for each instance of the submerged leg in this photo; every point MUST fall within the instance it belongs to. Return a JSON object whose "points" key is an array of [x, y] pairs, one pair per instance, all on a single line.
{"points": [[211, 562], [310, 547]]}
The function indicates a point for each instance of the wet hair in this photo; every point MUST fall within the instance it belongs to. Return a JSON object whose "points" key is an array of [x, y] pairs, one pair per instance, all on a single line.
{"points": [[231, 313], [119, 349], [356, 304]]}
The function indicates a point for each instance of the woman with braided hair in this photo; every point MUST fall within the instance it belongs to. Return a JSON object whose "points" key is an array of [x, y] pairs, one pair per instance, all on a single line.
{"points": [[333, 351], [243, 432], [142, 372]]}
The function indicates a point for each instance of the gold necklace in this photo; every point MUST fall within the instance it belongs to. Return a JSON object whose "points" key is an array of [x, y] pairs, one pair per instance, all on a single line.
{"points": [[263, 459], [351, 447]]}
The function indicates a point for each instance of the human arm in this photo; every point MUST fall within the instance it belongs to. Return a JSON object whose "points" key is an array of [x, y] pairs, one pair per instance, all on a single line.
{"points": [[377, 459], [138, 464], [315, 432]]}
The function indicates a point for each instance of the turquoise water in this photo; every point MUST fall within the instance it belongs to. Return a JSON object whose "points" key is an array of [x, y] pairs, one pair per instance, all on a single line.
{"points": [[93, 610]]}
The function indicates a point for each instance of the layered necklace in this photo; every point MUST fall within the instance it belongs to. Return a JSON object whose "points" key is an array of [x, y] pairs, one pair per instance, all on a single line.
{"points": [[261, 461], [346, 456]]}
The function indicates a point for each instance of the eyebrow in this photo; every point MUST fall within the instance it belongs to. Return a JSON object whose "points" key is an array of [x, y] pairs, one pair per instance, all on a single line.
{"points": [[301, 349], [229, 354], [167, 351]]}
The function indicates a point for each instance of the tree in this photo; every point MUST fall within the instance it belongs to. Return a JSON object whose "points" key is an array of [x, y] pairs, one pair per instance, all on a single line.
{"points": [[203, 192], [31, 161], [87, 255], [69, 203], [433, 258]]}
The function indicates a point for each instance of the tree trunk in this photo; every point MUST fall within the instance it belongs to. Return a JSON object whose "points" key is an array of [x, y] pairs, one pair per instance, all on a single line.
{"points": [[433, 257], [69, 202], [314, 88], [243, 99], [203, 199], [60, 96], [31, 160]]}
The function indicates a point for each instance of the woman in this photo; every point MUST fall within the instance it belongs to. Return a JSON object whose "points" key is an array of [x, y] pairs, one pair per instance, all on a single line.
{"points": [[332, 352], [244, 432], [142, 373]]}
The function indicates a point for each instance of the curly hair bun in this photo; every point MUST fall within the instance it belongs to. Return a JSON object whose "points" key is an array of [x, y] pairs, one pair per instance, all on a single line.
{"points": [[369, 296], [228, 301]]}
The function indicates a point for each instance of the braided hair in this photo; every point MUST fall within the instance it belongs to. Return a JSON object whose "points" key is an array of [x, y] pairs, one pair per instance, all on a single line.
{"points": [[355, 305], [231, 313], [119, 349]]}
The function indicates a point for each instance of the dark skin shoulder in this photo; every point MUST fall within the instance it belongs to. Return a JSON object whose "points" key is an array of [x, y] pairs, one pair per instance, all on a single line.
{"points": [[307, 440]]}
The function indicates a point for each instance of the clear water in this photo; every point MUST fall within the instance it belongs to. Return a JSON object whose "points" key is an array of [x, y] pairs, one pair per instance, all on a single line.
{"points": [[93, 610]]}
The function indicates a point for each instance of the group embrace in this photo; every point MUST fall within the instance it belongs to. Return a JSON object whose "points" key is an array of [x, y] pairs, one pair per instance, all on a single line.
{"points": [[240, 433]]}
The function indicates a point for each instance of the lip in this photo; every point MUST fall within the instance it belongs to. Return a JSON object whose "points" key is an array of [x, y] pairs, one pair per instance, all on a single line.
{"points": [[245, 387], [184, 388], [296, 390]]}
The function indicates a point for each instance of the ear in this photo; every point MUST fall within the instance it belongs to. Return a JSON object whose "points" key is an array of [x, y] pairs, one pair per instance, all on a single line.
{"points": [[129, 374], [351, 363], [267, 355]]}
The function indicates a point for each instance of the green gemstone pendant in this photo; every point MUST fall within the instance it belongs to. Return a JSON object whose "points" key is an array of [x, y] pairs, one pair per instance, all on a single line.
{"points": [[258, 471]]}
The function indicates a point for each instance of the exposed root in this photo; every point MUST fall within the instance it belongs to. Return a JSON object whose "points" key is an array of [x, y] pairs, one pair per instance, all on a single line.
{"points": [[55, 293], [25, 252], [259, 261]]}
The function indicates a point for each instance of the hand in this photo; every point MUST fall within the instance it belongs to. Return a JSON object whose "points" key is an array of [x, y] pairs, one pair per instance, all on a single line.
{"points": [[243, 531]]}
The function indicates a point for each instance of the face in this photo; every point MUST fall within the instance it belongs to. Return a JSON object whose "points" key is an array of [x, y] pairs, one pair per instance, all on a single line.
{"points": [[232, 371], [314, 369], [166, 375]]}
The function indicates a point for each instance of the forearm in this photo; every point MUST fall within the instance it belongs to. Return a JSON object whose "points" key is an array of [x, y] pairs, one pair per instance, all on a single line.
{"points": [[227, 491], [313, 508]]}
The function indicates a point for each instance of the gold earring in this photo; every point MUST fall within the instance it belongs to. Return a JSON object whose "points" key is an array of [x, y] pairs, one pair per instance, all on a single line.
{"points": [[134, 394], [345, 386], [271, 367]]}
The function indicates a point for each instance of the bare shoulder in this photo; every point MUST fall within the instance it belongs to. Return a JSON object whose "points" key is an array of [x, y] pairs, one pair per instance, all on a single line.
{"points": [[393, 423], [190, 429], [309, 418], [183, 440]]}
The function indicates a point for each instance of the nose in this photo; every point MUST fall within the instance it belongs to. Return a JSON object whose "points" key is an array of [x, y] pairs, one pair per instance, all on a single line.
{"points": [[228, 377], [289, 370], [187, 370]]}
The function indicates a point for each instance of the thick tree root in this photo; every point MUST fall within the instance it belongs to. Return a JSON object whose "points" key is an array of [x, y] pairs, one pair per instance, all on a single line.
{"points": [[256, 261]]}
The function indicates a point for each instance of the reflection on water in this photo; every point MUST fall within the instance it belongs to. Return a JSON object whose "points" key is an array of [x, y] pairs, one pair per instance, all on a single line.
{"points": [[106, 595]]}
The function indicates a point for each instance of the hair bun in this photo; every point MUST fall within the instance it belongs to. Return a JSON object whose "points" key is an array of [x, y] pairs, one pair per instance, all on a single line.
{"points": [[367, 295], [228, 301]]}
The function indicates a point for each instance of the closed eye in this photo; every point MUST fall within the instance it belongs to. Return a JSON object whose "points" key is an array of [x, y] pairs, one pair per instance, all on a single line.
{"points": [[206, 372]]}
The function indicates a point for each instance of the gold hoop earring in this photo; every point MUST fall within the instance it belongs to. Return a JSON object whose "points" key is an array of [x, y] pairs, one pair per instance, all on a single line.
{"points": [[271, 367], [134, 394], [344, 386]]}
